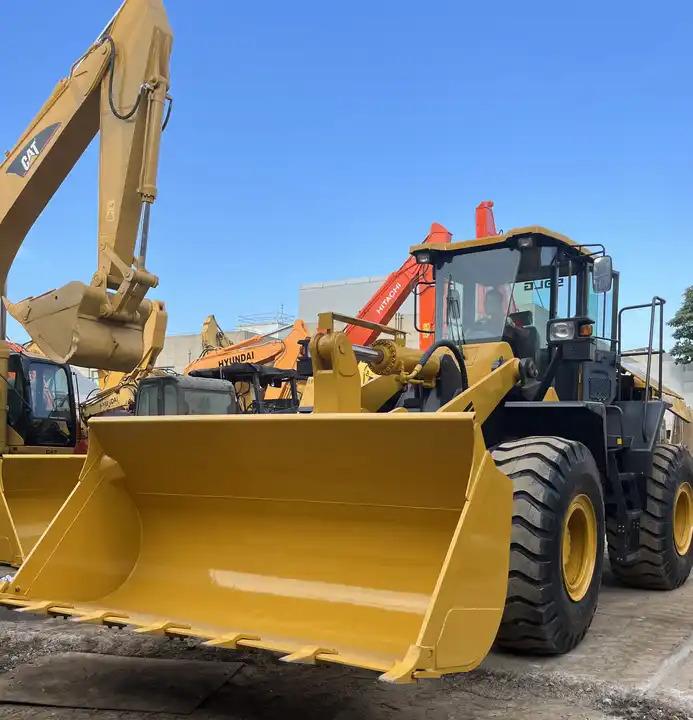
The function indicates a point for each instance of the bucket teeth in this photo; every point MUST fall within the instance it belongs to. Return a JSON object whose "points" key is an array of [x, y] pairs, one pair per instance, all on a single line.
{"points": [[46, 608], [164, 627], [161, 628], [230, 640], [308, 655], [101, 618], [410, 666]]}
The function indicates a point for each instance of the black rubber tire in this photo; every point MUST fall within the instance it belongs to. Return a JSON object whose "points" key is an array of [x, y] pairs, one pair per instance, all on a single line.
{"points": [[547, 474], [660, 566]]}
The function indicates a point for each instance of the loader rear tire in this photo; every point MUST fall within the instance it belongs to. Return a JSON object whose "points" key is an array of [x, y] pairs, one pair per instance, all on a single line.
{"points": [[666, 526], [557, 544]]}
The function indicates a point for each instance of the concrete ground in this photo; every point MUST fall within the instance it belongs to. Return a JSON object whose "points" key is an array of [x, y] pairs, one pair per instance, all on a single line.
{"points": [[636, 663]]}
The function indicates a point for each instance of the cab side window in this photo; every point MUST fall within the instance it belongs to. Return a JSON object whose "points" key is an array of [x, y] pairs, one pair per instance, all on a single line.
{"points": [[52, 420]]}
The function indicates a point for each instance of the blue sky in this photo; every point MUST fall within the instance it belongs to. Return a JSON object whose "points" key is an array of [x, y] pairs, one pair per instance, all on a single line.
{"points": [[315, 141]]}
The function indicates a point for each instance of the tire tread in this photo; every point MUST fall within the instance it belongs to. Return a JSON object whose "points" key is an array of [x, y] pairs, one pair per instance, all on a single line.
{"points": [[537, 467]]}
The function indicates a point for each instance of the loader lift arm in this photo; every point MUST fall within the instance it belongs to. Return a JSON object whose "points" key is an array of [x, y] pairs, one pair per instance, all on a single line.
{"points": [[118, 87]]}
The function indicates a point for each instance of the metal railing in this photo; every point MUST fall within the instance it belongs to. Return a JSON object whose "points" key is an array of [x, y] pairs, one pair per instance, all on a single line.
{"points": [[657, 302]]}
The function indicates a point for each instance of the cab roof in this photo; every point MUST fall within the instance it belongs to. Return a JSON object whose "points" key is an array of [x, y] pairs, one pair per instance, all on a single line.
{"points": [[505, 238]]}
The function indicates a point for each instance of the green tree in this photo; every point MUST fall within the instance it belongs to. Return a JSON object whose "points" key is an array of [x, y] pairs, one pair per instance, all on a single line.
{"points": [[682, 323]]}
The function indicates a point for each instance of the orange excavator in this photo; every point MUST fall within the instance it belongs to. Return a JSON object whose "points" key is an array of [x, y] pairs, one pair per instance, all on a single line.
{"points": [[259, 350]]}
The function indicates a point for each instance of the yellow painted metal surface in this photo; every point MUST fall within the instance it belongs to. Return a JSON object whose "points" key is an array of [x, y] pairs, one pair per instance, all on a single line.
{"points": [[683, 518], [85, 324], [355, 556], [10, 550], [34, 487], [579, 547], [492, 240]]}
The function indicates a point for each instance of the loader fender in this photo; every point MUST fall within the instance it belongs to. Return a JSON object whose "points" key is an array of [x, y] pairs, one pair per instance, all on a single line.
{"points": [[583, 421], [387, 549]]}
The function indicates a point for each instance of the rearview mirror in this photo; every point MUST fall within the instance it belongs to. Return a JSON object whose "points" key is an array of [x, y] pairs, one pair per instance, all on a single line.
{"points": [[602, 272]]}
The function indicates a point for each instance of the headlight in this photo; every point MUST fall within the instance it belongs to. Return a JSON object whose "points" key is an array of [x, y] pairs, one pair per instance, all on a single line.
{"points": [[422, 257], [563, 330]]}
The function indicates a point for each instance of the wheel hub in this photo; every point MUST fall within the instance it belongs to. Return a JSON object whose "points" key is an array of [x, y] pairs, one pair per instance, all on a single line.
{"points": [[579, 547], [683, 518]]}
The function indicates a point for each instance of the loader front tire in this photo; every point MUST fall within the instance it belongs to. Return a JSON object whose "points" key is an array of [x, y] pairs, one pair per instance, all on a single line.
{"points": [[557, 544], [665, 553]]}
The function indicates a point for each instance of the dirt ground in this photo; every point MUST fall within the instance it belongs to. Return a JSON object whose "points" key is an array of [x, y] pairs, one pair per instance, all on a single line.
{"points": [[636, 663]]}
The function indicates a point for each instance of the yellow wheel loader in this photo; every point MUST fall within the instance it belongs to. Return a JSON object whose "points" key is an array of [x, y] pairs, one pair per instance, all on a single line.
{"points": [[119, 89], [462, 498]]}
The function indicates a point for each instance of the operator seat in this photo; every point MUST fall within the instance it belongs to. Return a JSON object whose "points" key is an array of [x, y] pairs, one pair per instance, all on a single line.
{"points": [[524, 341]]}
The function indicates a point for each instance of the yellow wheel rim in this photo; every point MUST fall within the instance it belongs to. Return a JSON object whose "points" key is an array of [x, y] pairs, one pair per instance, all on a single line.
{"points": [[683, 518], [579, 547]]}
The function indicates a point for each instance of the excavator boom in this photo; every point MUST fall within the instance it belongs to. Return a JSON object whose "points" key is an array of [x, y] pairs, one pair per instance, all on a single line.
{"points": [[395, 289], [118, 87], [260, 349]]}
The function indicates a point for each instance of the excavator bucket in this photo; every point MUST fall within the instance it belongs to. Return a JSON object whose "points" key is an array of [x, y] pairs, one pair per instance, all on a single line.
{"points": [[67, 326], [385, 546], [32, 490]]}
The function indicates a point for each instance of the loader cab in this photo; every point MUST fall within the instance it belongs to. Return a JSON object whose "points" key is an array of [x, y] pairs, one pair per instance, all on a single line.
{"points": [[530, 287], [41, 406]]}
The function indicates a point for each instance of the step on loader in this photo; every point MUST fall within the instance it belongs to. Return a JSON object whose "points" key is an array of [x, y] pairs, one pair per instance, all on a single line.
{"points": [[463, 497]]}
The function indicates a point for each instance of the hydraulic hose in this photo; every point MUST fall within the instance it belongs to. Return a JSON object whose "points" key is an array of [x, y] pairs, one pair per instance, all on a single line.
{"points": [[457, 353], [111, 102], [111, 74]]}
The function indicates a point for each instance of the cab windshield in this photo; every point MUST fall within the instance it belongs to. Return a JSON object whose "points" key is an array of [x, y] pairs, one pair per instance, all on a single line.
{"points": [[503, 294], [478, 293]]}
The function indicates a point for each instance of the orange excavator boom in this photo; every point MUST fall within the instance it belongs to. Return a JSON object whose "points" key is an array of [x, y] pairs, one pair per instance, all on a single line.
{"points": [[261, 349], [388, 299]]}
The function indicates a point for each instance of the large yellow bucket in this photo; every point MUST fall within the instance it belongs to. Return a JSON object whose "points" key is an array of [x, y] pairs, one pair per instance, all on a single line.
{"points": [[67, 325], [33, 488], [379, 541]]}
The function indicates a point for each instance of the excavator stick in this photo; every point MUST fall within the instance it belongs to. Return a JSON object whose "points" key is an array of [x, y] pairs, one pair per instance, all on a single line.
{"points": [[355, 557], [33, 488]]}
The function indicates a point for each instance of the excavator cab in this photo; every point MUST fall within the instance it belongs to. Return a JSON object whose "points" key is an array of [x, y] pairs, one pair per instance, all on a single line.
{"points": [[230, 389], [185, 395], [252, 382], [41, 402]]}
